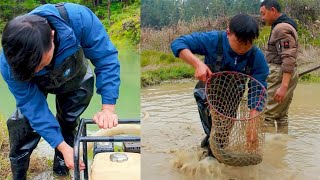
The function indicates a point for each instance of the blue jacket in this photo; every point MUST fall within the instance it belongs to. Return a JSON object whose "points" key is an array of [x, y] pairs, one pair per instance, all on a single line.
{"points": [[205, 43], [85, 30]]}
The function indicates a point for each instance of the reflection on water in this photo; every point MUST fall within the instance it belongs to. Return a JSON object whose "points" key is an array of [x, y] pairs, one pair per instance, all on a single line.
{"points": [[171, 137]]}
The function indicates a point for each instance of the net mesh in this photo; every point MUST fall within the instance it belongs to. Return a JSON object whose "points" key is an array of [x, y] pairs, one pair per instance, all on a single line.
{"points": [[236, 138]]}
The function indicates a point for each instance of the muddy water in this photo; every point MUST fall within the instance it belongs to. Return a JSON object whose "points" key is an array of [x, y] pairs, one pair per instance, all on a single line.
{"points": [[173, 132]]}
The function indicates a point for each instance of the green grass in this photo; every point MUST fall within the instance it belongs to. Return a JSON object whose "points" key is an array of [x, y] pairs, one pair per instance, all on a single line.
{"points": [[124, 22], [264, 34], [310, 78], [158, 67], [4, 150], [157, 58]]}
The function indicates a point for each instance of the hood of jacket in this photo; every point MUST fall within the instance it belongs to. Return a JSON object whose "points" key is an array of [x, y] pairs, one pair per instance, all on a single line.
{"points": [[285, 19]]}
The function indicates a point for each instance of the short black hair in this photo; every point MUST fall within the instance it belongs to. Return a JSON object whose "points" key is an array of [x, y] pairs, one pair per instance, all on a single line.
{"points": [[271, 3], [245, 27], [24, 40]]}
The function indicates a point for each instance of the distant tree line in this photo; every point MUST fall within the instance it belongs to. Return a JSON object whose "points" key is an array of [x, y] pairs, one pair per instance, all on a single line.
{"points": [[305, 11], [161, 13]]}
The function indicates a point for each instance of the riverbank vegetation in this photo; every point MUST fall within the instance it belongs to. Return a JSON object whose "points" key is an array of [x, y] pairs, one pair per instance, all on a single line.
{"points": [[4, 150], [183, 18], [37, 164], [121, 18], [161, 67]]}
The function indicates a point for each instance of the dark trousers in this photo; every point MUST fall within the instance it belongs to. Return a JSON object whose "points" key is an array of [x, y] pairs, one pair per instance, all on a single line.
{"points": [[23, 139]]}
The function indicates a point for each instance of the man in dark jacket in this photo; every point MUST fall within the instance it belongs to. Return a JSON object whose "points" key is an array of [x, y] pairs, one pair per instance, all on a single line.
{"points": [[281, 56], [237, 51], [45, 52]]}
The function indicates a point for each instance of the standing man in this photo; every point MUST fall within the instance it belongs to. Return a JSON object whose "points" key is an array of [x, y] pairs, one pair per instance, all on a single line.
{"points": [[230, 50], [281, 55], [45, 52]]}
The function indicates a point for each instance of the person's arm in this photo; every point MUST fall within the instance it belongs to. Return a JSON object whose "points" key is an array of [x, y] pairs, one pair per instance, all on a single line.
{"points": [[33, 105], [186, 46], [202, 72], [197, 43], [104, 56], [256, 99], [260, 72], [287, 49]]}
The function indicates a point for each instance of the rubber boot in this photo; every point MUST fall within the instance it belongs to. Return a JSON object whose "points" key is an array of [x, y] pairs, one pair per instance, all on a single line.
{"points": [[23, 140], [205, 142], [59, 166], [269, 127], [19, 166], [282, 127], [204, 113]]}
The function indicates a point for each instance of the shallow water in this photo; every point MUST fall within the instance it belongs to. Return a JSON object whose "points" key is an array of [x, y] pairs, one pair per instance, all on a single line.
{"points": [[172, 134]]}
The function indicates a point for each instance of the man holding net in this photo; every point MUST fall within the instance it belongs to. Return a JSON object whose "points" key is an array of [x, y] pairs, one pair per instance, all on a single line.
{"points": [[281, 55], [230, 50]]}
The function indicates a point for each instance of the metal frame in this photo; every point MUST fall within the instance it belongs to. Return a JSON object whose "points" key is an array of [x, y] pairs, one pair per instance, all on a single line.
{"points": [[82, 137]]}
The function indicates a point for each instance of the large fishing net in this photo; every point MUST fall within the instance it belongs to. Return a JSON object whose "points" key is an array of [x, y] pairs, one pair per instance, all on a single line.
{"points": [[236, 137]]}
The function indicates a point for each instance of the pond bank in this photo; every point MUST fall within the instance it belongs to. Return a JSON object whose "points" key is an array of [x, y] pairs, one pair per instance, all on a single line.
{"points": [[158, 67]]}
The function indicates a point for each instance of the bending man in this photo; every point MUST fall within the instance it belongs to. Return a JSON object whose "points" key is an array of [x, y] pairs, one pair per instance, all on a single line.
{"points": [[45, 52]]}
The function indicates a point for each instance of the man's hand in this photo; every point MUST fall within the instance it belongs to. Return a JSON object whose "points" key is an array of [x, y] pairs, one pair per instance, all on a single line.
{"points": [[280, 94], [106, 118], [202, 72], [282, 91], [67, 152]]}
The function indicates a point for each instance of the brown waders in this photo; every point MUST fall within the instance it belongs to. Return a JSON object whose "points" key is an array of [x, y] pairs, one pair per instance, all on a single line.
{"points": [[278, 112]]}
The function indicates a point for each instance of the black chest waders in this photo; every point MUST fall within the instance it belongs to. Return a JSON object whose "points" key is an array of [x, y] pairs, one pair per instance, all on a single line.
{"points": [[72, 82], [200, 95]]}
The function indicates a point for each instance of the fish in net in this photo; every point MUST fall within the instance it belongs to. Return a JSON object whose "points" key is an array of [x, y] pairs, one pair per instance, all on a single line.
{"points": [[237, 103]]}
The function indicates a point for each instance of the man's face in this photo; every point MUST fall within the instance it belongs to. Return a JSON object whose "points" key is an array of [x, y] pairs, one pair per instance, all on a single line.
{"points": [[239, 47], [46, 57], [267, 15]]}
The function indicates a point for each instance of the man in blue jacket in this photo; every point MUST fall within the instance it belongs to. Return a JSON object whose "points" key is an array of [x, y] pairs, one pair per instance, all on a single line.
{"points": [[232, 50], [45, 52]]}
